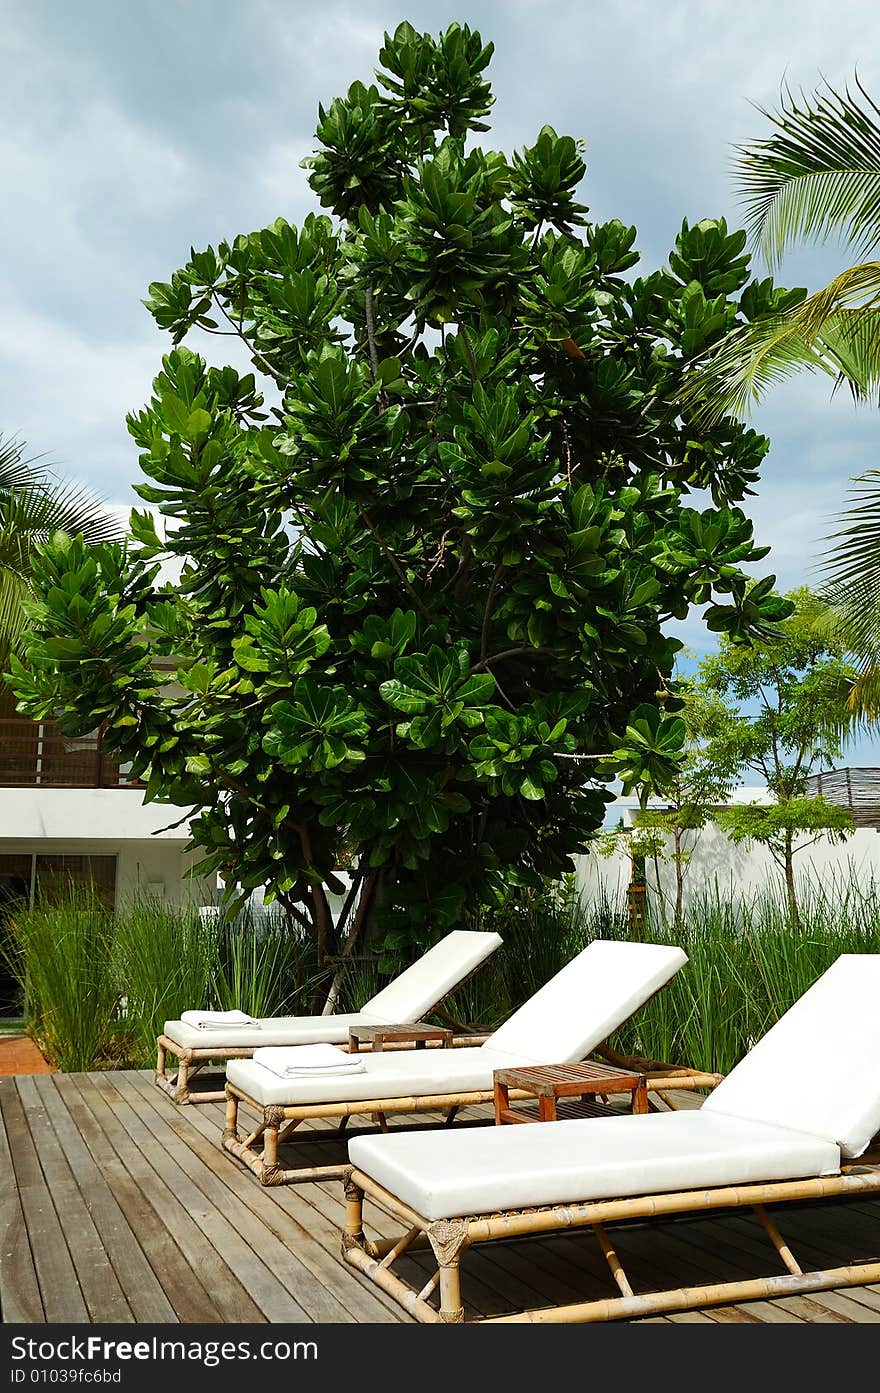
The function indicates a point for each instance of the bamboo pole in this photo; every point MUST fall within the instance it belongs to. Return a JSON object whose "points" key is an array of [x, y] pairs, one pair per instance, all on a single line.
{"points": [[690, 1298], [389, 1282], [778, 1241], [613, 1261]]}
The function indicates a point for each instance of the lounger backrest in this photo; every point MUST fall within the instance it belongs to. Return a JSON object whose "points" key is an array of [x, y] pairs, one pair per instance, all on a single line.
{"points": [[431, 978], [592, 995], [818, 1069]]}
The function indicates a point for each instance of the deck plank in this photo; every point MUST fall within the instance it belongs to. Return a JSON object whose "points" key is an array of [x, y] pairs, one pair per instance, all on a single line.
{"points": [[56, 1273], [194, 1275], [165, 1153], [20, 1300], [277, 1212], [99, 1284], [290, 1214]]}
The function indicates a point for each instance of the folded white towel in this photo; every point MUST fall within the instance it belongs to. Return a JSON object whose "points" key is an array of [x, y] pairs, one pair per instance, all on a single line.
{"points": [[218, 1020], [308, 1061]]}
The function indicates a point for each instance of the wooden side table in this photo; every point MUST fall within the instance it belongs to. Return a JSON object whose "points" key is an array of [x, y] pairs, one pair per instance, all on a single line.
{"points": [[379, 1035], [550, 1082]]}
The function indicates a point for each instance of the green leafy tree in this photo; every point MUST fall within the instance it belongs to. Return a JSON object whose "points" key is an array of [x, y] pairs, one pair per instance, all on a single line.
{"points": [[423, 596], [780, 711], [34, 505]]}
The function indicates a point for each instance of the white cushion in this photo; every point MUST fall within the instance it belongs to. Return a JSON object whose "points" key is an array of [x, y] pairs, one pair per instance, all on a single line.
{"points": [[273, 1030], [392, 1074], [591, 996], [420, 987], [481, 1170], [818, 1069]]}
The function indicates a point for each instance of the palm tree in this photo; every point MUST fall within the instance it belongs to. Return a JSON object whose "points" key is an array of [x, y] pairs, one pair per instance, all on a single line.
{"points": [[817, 175], [33, 505]]}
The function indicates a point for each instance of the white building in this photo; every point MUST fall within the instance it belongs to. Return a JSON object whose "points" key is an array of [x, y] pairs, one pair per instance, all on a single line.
{"points": [[68, 814], [738, 870]]}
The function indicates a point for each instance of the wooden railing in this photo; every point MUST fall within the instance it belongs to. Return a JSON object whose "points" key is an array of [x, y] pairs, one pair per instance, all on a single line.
{"points": [[35, 754], [857, 790]]}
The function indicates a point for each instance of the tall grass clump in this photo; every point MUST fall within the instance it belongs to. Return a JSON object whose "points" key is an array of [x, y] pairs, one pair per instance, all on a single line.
{"points": [[165, 959], [261, 966], [61, 956], [746, 966]]}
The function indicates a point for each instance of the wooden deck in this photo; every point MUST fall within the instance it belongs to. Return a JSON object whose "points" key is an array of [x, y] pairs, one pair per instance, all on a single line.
{"points": [[115, 1206]]}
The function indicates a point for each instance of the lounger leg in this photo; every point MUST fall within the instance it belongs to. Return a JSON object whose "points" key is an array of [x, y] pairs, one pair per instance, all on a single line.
{"points": [[353, 1233], [231, 1128], [450, 1117], [161, 1057], [181, 1093], [270, 1171], [448, 1238]]}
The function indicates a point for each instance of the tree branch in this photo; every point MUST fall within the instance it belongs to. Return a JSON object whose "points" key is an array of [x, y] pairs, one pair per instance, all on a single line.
{"points": [[524, 651], [394, 563], [487, 612]]}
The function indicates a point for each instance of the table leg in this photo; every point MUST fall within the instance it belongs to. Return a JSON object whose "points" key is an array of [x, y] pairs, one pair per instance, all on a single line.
{"points": [[547, 1108], [502, 1102], [640, 1097]]}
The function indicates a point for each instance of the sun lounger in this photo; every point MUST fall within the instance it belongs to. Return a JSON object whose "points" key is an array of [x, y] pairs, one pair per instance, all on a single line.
{"points": [[788, 1124], [564, 1021], [415, 992]]}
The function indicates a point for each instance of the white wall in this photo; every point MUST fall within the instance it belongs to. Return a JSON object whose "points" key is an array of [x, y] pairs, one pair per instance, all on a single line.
{"points": [[79, 814], [157, 869], [149, 853], [743, 869]]}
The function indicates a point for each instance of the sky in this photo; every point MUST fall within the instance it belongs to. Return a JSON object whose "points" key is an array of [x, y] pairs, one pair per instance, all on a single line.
{"points": [[130, 132]]}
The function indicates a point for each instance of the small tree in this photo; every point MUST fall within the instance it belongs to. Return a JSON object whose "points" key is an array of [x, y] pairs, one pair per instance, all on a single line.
{"points": [[426, 593], [789, 718], [699, 788], [700, 785]]}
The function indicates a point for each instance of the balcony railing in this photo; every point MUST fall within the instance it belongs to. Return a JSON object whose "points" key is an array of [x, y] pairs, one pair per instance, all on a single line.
{"points": [[35, 754]]}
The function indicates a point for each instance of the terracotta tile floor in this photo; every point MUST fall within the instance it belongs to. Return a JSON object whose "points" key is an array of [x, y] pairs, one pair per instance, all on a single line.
{"points": [[19, 1055]]}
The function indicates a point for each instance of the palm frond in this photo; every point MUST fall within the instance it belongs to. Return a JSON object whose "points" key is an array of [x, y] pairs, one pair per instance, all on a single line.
{"points": [[864, 697], [837, 330], [852, 563], [14, 590], [734, 374], [817, 175], [856, 287], [851, 342], [44, 505]]}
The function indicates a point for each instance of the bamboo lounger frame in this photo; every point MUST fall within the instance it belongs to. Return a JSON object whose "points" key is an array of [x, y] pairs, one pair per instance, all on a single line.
{"points": [[192, 1059], [449, 1240], [259, 1149]]}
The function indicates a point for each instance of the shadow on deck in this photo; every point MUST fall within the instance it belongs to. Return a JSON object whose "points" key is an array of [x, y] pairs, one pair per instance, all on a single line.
{"points": [[116, 1206]]}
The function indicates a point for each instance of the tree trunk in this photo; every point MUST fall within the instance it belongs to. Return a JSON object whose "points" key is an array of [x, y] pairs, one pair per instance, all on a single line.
{"points": [[323, 921], [661, 897], [367, 885], [790, 894], [679, 877]]}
